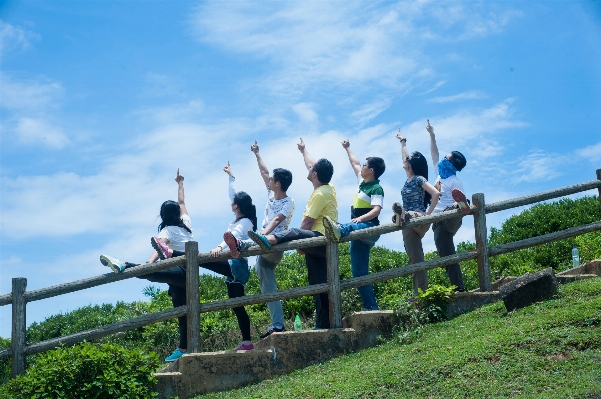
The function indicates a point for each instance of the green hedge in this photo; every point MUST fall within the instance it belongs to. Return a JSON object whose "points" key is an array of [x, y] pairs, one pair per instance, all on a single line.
{"points": [[86, 371]]}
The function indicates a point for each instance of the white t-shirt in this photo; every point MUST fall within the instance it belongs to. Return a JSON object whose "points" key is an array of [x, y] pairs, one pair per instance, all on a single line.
{"points": [[239, 230], [446, 187], [178, 236], [284, 206]]}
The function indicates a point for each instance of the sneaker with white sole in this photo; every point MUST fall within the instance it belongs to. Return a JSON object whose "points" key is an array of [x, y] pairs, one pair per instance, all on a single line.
{"points": [[461, 201], [332, 229], [399, 214], [272, 330], [175, 355], [244, 347], [260, 240], [161, 248], [113, 263], [233, 243]]}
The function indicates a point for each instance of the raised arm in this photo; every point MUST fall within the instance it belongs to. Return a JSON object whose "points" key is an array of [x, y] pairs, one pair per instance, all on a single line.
{"points": [[433, 146], [309, 161], [355, 163], [232, 190], [403, 140], [262, 167], [180, 194]]}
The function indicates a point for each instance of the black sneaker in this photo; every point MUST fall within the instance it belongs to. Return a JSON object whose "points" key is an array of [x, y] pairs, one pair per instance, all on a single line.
{"points": [[272, 330]]}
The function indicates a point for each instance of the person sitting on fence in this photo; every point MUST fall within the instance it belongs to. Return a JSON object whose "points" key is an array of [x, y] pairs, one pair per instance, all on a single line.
{"points": [[321, 203], [236, 270], [175, 230], [366, 207], [451, 197], [417, 193], [278, 213]]}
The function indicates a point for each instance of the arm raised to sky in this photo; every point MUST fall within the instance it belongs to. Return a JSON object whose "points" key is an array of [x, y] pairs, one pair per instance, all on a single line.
{"points": [[355, 163], [433, 147], [262, 167], [309, 161]]}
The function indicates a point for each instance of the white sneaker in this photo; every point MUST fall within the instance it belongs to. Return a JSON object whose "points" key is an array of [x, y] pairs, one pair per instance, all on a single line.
{"points": [[113, 263]]}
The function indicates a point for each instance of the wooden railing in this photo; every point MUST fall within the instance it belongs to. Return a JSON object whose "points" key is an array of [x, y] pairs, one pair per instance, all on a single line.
{"points": [[19, 297]]}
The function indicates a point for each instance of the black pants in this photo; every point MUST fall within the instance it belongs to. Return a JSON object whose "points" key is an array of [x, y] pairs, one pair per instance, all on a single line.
{"points": [[317, 271], [176, 279], [234, 290], [443, 238]]}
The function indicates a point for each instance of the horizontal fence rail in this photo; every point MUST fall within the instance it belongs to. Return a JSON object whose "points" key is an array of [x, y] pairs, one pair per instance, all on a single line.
{"points": [[19, 297]]}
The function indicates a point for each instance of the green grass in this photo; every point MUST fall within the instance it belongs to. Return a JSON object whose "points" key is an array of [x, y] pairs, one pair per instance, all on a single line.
{"points": [[551, 349]]}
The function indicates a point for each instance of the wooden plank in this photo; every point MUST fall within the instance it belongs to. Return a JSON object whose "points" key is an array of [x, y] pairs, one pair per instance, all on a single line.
{"points": [[334, 297], [6, 299], [599, 189], [19, 326], [103, 331], [545, 238], [481, 243], [542, 196], [43, 293], [385, 275], [263, 298], [48, 292], [192, 297]]}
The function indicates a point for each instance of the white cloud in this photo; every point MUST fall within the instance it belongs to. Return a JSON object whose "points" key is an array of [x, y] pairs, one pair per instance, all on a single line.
{"points": [[438, 84], [305, 112], [468, 95], [538, 166], [28, 95], [40, 132], [592, 153], [369, 111], [14, 37], [173, 113]]}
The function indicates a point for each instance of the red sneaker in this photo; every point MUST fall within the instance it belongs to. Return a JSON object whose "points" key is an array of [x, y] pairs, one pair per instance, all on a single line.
{"points": [[233, 243], [461, 201]]}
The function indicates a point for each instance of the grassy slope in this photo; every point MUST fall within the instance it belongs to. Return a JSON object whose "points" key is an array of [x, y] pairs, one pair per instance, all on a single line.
{"points": [[549, 350]]}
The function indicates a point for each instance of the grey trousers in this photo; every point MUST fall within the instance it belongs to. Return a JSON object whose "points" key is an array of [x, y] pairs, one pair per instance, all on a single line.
{"points": [[443, 238], [412, 238], [265, 268]]}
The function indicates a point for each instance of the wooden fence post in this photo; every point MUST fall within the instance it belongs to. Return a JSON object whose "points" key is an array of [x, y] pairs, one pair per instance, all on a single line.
{"points": [[599, 189], [334, 283], [192, 297], [19, 326], [481, 243]]}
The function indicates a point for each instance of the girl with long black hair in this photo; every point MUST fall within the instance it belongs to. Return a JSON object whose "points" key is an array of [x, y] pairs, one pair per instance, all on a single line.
{"points": [[417, 194], [236, 270], [175, 230]]}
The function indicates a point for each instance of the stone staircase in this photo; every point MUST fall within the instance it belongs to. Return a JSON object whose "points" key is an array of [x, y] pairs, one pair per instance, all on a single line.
{"points": [[281, 353]]}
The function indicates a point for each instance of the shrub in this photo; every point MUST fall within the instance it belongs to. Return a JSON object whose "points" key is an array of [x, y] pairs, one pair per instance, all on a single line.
{"points": [[86, 371], [589, 246]]}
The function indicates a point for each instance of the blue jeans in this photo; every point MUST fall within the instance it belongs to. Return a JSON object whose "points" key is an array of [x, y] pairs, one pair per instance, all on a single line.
{"points": [[360, 260], [265, 268], [240, 271]]}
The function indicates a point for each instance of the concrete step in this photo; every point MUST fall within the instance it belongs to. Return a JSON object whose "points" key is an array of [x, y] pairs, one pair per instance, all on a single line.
{"points": [[199, 373]]}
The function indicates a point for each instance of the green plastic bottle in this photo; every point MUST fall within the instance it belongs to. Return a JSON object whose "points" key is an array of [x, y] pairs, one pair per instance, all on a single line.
{"points": [[298, 325]]}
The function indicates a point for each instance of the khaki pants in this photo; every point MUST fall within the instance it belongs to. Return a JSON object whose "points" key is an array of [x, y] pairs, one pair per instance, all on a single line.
{"points": [[412, 238]]}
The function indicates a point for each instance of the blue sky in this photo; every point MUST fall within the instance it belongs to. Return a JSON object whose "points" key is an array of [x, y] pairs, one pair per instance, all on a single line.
{"points": [[102, 101]]}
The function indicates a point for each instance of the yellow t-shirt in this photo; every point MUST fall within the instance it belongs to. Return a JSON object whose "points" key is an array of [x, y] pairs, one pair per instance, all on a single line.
{"points": [[322, 203]]}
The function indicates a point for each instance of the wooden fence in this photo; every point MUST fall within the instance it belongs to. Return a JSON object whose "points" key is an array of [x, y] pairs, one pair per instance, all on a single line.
{"points": [[19, 297]]}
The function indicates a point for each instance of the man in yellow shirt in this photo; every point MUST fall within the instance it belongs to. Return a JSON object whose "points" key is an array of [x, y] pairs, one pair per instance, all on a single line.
{"points": [[321, 203]]}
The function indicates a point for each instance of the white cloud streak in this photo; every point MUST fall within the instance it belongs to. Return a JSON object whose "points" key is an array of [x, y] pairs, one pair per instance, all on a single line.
{"points": [[468, 95], [28, 95], [592, 153]]}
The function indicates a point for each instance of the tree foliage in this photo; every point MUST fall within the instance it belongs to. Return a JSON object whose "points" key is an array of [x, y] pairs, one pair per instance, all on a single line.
{"points": [[86, 371]]}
